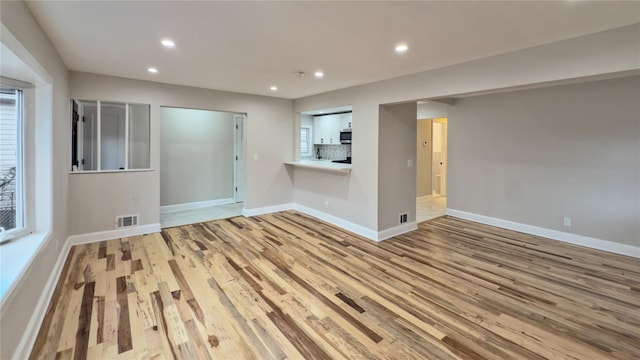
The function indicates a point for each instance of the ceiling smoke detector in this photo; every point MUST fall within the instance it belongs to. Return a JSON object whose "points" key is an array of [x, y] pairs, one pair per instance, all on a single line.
{"points": [[299, 74]]}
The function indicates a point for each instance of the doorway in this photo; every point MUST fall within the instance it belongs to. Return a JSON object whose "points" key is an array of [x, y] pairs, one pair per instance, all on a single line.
{"points": [[201, 165], [439, 157], [431, 160]]}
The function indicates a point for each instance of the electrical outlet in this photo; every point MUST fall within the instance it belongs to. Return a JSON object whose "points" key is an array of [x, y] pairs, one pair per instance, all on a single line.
{"points": [[326, 204], [404, 217], [567, 221], [255, 156]]}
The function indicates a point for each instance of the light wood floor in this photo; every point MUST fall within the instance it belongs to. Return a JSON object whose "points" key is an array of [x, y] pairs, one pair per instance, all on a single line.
{"points": [[288, 286]]}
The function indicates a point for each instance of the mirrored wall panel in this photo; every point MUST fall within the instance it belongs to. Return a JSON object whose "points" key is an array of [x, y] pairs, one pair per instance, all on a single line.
{"points": [[109, 136]]}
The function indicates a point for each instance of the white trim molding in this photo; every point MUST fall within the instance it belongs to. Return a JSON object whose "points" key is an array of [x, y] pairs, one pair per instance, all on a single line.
{"points": [[575, 239], [113, 234], [266, 210], [195, 205], [397, 230], [334, 220]]}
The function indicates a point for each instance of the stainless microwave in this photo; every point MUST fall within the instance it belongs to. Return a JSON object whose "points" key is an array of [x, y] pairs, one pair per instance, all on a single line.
{"points": [[345, 136]]}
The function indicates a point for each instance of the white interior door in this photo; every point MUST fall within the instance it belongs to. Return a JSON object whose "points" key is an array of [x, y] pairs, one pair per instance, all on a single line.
{"points": [[238, 164]]}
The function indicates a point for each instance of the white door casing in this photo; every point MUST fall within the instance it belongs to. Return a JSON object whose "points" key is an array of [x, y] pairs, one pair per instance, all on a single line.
{"points": [[239, 157]]}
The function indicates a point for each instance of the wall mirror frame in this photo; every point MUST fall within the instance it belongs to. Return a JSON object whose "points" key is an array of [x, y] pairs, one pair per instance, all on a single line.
{"points": [[108, 136]]}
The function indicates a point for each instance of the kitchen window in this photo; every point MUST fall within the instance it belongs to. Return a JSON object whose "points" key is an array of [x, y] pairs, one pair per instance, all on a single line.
{"points": [[11, 159], [306, 149]]}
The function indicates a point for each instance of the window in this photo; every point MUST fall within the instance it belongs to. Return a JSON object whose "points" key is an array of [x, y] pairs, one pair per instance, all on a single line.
{"points": [[306, 149], [108, 136], [11, 159]]}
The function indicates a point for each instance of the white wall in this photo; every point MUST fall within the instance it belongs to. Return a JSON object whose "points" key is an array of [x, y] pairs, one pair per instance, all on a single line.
{"points": [[196, 155], [396, 164], [95, 199], [536, 156], [432, 110], [606, 54], [50, 163]]}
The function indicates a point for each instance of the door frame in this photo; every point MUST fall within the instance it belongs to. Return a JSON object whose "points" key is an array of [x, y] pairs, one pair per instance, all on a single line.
{"points": [[239, 165], [443, 121]]}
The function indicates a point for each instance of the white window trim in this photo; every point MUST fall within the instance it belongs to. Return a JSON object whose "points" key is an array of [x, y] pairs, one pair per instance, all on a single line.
{"points": [[309, 140], [22, 206]]}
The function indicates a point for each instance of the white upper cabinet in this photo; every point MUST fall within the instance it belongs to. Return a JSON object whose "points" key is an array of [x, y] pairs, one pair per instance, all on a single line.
{"points": [[326, 129], [345, 120]]}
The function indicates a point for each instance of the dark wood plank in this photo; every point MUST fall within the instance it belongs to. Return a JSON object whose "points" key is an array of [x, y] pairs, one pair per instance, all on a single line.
{"points": [[124, 326], [111, 262], [102, 250], [84, 322]]}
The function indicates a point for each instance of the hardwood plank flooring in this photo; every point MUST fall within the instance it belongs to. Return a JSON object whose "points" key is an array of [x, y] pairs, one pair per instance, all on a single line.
{"points": [[287, 285]]}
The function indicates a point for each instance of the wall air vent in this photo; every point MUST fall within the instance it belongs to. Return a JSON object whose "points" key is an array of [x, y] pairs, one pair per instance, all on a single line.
{"points": [[126, 221], [404, 217]]}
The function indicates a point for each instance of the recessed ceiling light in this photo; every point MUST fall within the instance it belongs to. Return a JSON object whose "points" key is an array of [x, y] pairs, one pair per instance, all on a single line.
{"points": [[401, 48], [152, 70], [168, 43], [319, 74], [273, 88]]}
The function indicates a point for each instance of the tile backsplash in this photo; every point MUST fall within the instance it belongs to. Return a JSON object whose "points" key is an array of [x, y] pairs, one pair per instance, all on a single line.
{"points": [[332, 152]]}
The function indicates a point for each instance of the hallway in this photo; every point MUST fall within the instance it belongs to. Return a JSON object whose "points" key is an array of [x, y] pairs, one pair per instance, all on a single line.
{"points": [[428, 207]]}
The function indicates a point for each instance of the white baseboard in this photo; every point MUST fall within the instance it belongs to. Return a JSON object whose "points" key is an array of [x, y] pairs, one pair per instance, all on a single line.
{"points": [[23, 350], [397, 230], [334, 220], [266, 210], [575, 239], [195, 205], [113, 234]]}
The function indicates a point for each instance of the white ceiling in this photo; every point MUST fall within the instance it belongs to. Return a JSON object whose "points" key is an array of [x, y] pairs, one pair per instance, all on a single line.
{"points": [[249, 46]]}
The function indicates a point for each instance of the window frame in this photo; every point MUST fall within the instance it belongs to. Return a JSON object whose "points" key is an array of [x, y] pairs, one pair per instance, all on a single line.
{"points": [[309, 140], [21, 228], [99, 137]]}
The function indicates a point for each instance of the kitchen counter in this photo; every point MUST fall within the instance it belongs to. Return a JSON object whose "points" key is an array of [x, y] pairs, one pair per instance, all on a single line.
{"points": [[325, 165]]}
